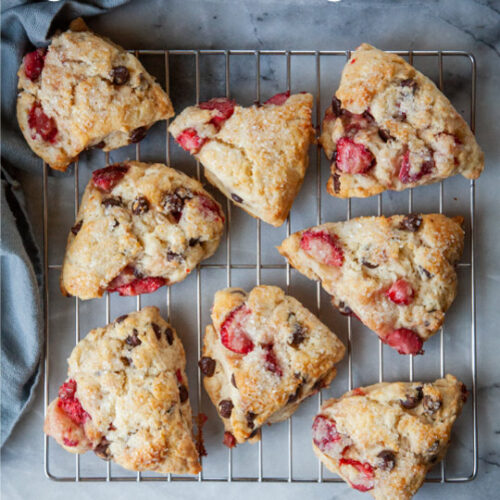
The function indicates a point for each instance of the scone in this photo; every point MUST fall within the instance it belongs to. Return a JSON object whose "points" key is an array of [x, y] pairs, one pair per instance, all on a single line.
{"points": [[263, 354], [385, 437], [126, 397], [395, 274], [256, 156], [85, 91], [389, 127], [140, 226]]}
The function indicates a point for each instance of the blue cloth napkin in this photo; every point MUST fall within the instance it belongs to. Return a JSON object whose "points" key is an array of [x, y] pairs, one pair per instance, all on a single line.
{"points": [[24, 24]]}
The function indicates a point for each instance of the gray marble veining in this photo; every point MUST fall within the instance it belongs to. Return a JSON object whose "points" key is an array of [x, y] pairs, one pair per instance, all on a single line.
{"points": [[316, 24]]}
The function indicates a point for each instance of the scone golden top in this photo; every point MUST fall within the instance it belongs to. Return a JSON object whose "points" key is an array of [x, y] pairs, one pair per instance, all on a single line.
{"points": [[85, 91], [385, 437], [263, 354], [389, 127], [140, 226], [126, 397], [257, 156], [395, 274]]}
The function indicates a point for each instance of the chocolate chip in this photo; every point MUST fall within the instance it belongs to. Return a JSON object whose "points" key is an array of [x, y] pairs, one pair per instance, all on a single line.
{"points": [[171, 256], [336, 182], [409, 82], [387, 460], [207, 366], [293, 397], [384, 135], [411, 222], [412, 400], [368, 116], [250, 416], [233, 381], [100, 145], [319, 384], [424, 273], [112, 202], [76, 228], [169, 335], [115, 223], [173, 203], [344, 309], [157, 330], [122, 318], [125, 360], [236, 198], [183, 393], [336, 106], [193, 241], [431, 405], [225, 408], [133, 340], [368, 264], [120, 75], [140, 205], [102, 449], [138, 134], [253, 433], [298, 335]]}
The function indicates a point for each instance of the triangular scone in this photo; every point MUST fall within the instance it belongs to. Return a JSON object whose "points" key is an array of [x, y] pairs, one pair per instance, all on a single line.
{"points": [[85, 91], [395, 274], [385, 437], [263, 354], [140, 226], [256, 156], [126, 397], [389, 127]]}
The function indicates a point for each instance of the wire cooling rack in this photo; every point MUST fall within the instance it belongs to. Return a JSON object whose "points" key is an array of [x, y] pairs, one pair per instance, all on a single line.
{"points": [[248, 258]]}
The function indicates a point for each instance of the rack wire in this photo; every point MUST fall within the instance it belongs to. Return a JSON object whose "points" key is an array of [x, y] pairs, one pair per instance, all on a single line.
{"points": [[466, 267]]}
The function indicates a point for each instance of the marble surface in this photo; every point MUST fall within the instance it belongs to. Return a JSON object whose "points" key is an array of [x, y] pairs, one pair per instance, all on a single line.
{"points": [[315, 24]]}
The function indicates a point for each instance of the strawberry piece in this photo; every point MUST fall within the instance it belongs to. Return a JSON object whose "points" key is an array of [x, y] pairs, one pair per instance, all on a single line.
{"points": [[358, 392], [322, 246], [232, 332], [178, 375], [223, 105], [125, 277], [366, 480], [209, 208], [43, 125], [70, 442], [405, 341], [107, 178], [70, 405], [401, 292], [139, 286], [33, 63], [229, 440], [405, 176], [189, 140], [278, 99], [352, 157], [327, 438], [271, 361]]}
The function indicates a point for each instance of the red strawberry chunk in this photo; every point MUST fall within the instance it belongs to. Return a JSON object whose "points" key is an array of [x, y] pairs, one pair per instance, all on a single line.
{"points": [[322, 246], [278, 99], [178, 375], [107, 178], [401, 292], [271, 362], [405, 341], [70, 442], [33, 63], [365, 482], [327, 438], [43, 125], [232, 331], [358, 391], [223, 105], [405, 175], [209, 208], [229, 440], [139, 286], [189, 140], [70, 405], [352, 157]]}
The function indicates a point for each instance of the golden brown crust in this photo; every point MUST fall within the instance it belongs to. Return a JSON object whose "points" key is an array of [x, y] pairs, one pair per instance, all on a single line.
{"points": [[259, 155], [407, 114], [129, 378], [422, 250], [76, 89], [294, 355], [396, 431], [110, 235]]}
